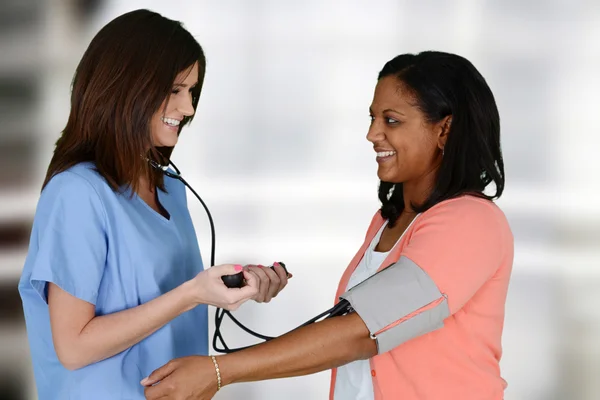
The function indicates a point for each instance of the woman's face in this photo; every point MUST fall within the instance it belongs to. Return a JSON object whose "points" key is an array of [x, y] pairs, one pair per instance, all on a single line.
{"points": [[165, 123], [408, 147]]}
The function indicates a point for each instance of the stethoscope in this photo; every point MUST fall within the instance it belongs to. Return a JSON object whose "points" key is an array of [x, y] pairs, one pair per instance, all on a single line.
{"points": [[341, 308]]}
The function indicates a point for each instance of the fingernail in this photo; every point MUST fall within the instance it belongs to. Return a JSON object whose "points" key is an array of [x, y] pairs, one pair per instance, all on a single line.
{"points": [[276, 264], [144, 381], [238, 268], [260, 266]]}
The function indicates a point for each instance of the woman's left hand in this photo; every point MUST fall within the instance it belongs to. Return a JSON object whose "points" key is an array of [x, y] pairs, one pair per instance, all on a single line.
{"points": [[186, 378]]}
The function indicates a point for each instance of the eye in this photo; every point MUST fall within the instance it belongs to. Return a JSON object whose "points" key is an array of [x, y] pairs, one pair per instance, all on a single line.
{"points": [[391, 121], [175, 91], [371, 118]]}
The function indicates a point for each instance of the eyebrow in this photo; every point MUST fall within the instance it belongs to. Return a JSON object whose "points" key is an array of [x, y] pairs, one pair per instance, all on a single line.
{"points": [[387, 110], [183, 85], [392, 110]]}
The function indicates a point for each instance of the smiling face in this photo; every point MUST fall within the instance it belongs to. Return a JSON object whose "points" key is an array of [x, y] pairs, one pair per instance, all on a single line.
{"points": [[165, 122], [408, 147]]}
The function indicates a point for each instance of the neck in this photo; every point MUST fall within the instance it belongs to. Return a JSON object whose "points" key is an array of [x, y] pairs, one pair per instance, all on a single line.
{"points": [[417, 191], [144, 185]]}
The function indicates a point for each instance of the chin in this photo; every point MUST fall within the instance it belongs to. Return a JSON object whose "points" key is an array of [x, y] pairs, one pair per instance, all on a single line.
{"points": [[171, 143], [387, 177], [166, 141]]}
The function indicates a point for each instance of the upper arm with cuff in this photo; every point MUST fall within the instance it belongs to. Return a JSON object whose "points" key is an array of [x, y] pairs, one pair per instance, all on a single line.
{"points": [[72, 238], [455, 248]]}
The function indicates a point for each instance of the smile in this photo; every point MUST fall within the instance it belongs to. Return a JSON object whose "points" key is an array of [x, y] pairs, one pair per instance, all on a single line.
{"points": [[383, 156], [171, 121]]}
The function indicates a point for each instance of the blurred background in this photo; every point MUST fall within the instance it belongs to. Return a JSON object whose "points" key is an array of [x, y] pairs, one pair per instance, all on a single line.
{"points": [[278, 152]]}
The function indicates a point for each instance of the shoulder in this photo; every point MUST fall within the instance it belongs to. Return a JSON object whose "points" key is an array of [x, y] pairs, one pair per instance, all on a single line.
{"points": [[81, 177], [467, 219], [468, 210], [80, 186]]}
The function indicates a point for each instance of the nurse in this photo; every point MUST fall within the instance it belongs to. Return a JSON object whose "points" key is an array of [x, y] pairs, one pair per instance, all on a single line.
{"points": [[113, 285]]}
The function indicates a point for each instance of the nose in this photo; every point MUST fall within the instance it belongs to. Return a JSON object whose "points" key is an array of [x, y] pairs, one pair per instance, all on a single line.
{"points": [[185, 106], [375, 133]]}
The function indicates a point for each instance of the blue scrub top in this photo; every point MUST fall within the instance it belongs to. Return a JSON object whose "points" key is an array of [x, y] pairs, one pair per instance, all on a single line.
{"points": [[116, 252]]}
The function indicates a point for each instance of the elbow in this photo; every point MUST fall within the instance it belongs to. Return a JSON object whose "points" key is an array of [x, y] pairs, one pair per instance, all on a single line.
{"points": [[71, 357], [71, 366], [71, 361]]}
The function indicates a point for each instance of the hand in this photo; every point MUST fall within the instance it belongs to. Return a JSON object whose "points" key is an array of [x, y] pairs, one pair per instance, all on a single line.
{"points": [[208, 288], [271, 281], [187, 378]]}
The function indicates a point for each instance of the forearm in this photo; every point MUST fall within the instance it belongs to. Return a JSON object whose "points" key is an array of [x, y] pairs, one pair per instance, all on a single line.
{"points": [[314, 348], [107, 335]]}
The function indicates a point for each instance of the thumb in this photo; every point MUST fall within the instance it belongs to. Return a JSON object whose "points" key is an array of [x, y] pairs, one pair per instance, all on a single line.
{"points": [[251, 287], [251, 281], [246, 292], [158, 374], [227, 269]]}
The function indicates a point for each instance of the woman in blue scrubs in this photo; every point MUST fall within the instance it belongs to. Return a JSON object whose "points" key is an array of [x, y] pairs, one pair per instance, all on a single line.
{"points": [[113, 286]]}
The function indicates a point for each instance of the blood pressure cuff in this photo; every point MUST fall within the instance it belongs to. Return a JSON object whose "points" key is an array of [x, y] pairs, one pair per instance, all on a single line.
{"points": [[398, 303]]}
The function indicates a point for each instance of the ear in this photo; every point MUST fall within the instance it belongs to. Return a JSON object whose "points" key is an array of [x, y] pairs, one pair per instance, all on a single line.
{"points": [[443, 129]]}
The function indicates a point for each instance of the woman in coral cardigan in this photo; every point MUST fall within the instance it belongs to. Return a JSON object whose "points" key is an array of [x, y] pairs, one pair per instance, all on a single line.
{"points": [[432, 329]]}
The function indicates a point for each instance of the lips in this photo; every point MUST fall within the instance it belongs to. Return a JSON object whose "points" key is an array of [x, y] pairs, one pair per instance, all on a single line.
{"points": [[171, 121], [384, 155]]}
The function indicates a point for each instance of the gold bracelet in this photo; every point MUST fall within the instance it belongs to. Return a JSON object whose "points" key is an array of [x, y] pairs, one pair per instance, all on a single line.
{"points": [[214, 360]]}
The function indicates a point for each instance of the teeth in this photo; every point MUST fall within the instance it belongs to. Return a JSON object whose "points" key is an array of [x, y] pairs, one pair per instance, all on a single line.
{"points": [[385, 153], [171, 121]]}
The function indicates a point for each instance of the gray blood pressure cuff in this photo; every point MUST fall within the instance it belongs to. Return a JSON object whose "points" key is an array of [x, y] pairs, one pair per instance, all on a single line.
{"points": [[392, 294]]}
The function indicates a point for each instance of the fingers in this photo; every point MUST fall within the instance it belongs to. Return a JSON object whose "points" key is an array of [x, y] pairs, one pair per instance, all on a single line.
{"points": [[272, 281], [226, 269], [283, 276], [159, 374], [262, 282], [251, 288], [238, 296], [157, 392], [251, 280], [275, 282]]}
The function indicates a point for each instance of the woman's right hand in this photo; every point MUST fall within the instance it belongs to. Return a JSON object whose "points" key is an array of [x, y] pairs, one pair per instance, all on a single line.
{"points": [[208, 287]]}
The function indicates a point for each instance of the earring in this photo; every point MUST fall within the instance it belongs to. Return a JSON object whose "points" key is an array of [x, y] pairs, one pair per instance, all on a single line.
{"points": [[442, 152]]}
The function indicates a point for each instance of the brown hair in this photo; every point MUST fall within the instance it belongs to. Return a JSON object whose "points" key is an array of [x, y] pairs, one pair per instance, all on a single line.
{"points": [[124, 76]]}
